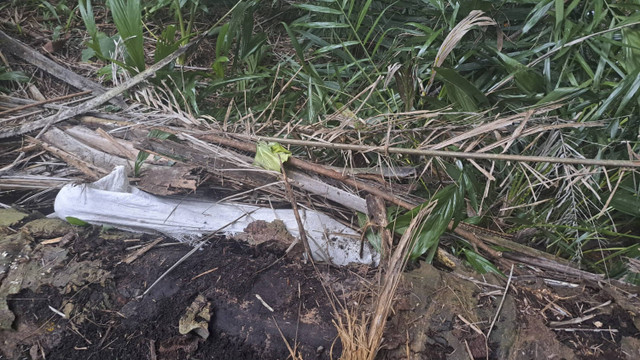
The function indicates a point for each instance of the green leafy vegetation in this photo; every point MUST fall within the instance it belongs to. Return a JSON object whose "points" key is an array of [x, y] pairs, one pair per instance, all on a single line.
{"points": [[541, 78], [7, 76]]}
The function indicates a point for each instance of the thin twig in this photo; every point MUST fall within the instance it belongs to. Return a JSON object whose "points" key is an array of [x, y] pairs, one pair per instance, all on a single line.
{"points": [[504, 296], [574, 321], [296, 214], [204, 273], [131, 258], [38, 103], [187, 255], [453, 154], [589, 330]]}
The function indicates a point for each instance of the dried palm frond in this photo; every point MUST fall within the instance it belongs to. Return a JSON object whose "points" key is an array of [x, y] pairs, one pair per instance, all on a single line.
{"points": [[475, 18]]}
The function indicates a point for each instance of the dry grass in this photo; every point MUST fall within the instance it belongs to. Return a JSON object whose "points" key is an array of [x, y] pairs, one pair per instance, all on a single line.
{"points": [[361, 330]]}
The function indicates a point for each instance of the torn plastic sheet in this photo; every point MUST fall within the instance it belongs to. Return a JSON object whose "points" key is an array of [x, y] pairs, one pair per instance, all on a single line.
{"points": [[113, 202]]}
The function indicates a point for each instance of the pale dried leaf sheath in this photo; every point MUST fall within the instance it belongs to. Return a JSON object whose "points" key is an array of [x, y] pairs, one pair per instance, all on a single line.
{"points": [[475, 18]]}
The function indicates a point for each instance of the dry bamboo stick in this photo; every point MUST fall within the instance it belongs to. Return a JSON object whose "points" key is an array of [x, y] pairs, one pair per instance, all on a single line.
{"points": [[453, 154]]}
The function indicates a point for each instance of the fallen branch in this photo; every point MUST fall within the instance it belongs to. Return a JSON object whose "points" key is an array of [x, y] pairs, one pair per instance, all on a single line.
{"points": [[469, 232], [38, 103], [96, 101], [33, 57], [318, 169]]}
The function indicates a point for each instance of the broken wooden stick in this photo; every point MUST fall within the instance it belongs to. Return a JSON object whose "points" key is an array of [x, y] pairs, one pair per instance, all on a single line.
{"points": [[474, 234], [315, 168], [38, 103], [469, 232]]}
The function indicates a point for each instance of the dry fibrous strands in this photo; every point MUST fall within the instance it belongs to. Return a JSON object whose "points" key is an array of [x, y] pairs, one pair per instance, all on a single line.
{"points": [[391, 280], [39, 103], [96, 101], [475, 18], [500, 123]]}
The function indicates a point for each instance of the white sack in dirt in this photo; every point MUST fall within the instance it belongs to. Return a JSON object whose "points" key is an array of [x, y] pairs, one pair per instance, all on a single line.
{"points": [[113, 202]]}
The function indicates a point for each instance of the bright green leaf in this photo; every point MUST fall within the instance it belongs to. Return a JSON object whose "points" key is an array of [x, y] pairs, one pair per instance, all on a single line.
{"points": [[271, 155], [75, 221]]}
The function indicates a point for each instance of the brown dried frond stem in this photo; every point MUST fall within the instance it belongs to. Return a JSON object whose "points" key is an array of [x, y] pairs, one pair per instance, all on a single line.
{"points": [[452, 154]]}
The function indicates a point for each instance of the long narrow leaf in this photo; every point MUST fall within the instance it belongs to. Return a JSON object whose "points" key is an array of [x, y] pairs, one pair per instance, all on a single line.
{"points": [[128, 19]]}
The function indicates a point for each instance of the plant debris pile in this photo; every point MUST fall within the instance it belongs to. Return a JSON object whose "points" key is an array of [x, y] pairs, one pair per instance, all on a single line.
{"points": [[481, 159]]}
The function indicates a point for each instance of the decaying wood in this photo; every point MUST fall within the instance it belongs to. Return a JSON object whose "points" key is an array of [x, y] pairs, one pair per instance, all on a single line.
{"points": [[471, 236], [236, 168], [224, 164], [318, 169], [103, 161], [553, 266], [30, 55], [10, 102], [33, 182], [501, 241], [318, 187], [101, 140], [106, 152], [96, 101], [89, 169], [477, 236], [475, 240]]}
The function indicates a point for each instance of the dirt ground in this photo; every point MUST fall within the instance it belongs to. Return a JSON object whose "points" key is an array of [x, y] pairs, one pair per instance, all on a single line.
{"points": [[107, 318], [78, 293]]}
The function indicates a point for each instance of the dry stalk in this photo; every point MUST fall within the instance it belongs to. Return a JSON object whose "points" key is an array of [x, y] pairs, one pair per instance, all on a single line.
{"points": [[452, 154], [361, 334]]}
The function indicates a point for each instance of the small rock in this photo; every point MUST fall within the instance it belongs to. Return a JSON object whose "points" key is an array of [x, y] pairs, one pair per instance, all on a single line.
{"points": [[47, 228]]}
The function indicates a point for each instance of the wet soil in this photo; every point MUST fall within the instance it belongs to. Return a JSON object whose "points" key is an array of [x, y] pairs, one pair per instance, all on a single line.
{"points": [[440, 316], [70, 292], [114, 320]]}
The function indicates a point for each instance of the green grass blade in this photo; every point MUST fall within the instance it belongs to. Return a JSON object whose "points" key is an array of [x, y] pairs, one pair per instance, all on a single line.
{"points": [[318, 9]]}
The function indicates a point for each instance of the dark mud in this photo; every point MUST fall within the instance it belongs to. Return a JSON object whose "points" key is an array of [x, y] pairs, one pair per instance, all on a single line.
{"points": [[114, 320], [69, 292]]}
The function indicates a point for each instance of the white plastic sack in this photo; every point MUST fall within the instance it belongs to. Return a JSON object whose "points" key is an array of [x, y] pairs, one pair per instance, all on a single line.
{"points": [[112, 201]]}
